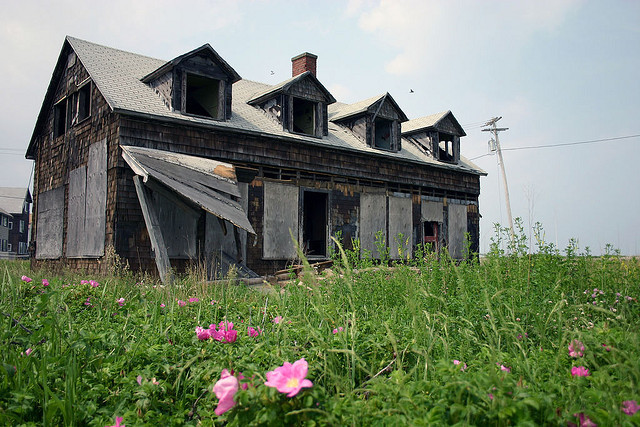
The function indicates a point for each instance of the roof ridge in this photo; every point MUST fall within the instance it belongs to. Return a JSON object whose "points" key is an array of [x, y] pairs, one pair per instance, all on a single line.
{"points": [[71, 38]]}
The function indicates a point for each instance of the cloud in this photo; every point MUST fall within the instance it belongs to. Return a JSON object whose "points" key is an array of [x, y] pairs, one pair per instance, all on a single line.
{"points": [[425, 33]]}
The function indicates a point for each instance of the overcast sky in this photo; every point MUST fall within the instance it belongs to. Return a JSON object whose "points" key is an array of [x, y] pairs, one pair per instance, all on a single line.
{"points": [[556, 71]]}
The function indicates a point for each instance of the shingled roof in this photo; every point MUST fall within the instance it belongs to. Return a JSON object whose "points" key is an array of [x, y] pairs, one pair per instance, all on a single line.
{"points": [[119, 75], [12, 199]]}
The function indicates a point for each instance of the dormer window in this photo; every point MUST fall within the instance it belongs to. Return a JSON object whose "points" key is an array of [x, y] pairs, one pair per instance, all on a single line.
{"points": [[198, 83], [383, 134], [304, 116], [446, 147], [299, 104], [437, 136], [203, 96], [374, 121]]}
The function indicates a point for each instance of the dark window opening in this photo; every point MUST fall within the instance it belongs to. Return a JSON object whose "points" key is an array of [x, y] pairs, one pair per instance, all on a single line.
{"points": [[445, 148], [84, 102], [59, 118], [431, 234], [72, 110], [203, 96], [304, 116], [314, 223], [383, 137]]}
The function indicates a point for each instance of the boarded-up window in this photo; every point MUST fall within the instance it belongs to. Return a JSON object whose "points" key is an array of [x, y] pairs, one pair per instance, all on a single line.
{"points": [[431, 211], [280, 216], [49, 224], [457, 229], [373, 219], [87, 205], [400, 227]]}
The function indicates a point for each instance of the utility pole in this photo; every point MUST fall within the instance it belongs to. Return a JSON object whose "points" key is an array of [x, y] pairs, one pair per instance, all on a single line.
{"points": [[493, 129]]}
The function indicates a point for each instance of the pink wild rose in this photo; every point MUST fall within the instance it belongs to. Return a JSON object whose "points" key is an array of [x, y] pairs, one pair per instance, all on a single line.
{"points": [[252, 332], [630, 407], [94, 284], [26, 279], [118, 421], [202, 334], [194, 300], [277, 319], [182, 303], [225, 390], [120, 302], [289, 378], [45, 282], [584, 421], [576, 349], [579, 371]]}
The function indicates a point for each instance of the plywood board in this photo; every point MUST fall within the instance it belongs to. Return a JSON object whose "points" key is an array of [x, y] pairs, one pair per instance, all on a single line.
{"points": [[400, 227], [50, 224], [280, 218], [373, 219], [457, 229]]}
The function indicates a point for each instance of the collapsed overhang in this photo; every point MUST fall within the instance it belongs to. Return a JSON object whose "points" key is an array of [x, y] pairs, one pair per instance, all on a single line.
{"points": [[209, 184]]}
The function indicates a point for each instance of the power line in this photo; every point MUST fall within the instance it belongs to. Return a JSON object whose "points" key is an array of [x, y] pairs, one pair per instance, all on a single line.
{"points": [[564, 144]]}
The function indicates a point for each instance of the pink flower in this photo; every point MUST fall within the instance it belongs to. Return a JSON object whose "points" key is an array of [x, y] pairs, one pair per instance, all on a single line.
{"points": [[118, 421], [229, 334], [630, 407], [289, 378], [26, 279], [490, 396], [120, 302], [139, 379], [202, 334], [162, 306], [606, 347], [253, 332], [503, 368], [277, 319], [193, 300], [94, 284], [45, 282], [584, 421], [225, 390], [28, 351], [457, 362], [579, 371], [182, 303], [214, 302], [339, 329], [84, 282], [576, 349]]}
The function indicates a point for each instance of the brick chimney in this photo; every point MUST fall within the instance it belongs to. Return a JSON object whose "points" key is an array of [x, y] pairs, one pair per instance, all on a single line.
{"points": [[303, 62]]}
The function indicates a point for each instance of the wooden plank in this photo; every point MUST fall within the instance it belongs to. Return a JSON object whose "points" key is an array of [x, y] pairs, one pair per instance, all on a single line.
{"points": [[155, 234]]}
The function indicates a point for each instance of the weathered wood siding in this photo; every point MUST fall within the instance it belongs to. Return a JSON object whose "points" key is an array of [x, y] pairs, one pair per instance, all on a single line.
{"points": [[57, 157]]}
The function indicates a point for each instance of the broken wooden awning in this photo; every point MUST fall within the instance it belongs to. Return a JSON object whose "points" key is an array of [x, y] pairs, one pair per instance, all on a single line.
{"points": [[207, 183]]}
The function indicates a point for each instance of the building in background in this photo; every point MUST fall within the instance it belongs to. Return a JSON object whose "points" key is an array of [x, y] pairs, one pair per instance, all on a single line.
{"points": [[15, 207], [171, 163]]}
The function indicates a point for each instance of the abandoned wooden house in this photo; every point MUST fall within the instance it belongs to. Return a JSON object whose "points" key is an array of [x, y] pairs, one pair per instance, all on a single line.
{"points": [[166, 163]]}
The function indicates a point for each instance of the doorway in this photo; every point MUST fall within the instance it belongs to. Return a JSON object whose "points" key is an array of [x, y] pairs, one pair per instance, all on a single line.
{"points": [[314, 223]]}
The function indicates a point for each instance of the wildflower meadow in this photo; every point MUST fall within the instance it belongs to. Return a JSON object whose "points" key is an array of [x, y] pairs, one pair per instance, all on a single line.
{"points": [[526, 336]]}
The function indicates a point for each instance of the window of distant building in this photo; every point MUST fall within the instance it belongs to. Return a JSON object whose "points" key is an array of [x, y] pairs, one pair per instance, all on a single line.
{"points": [[21, 226]]}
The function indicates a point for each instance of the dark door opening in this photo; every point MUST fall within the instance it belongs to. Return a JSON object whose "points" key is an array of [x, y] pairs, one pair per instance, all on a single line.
{"points": [[314, 223], [431, 234]]}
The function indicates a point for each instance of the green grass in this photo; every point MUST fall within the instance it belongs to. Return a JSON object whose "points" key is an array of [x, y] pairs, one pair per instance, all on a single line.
{"points": [[391, 364]]}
